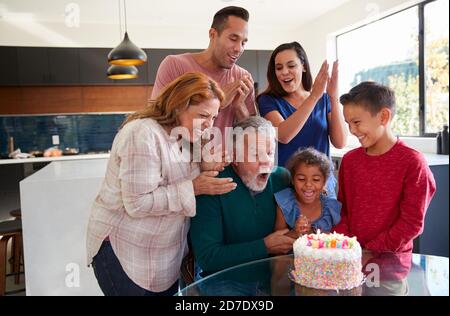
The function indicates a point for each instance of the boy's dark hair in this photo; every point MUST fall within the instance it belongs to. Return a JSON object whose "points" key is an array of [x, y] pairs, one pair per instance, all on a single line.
{"points": [[221, 17], [372, 96], [310, 157]]}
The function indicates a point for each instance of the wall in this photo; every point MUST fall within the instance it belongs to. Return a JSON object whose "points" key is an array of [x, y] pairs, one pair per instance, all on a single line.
{"points": [[312, 35], [28, 33]]}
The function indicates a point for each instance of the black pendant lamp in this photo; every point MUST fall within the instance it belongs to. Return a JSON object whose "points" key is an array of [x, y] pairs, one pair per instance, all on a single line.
{"points": [[126, 53], [122, 72]]}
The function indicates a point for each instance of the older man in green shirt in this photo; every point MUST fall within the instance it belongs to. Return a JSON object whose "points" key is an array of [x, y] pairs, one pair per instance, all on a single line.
{"points": [[238, 227]]}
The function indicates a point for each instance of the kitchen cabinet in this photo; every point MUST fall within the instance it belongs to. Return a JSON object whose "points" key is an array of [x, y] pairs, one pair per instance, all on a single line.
{"points": [[8, 65], [48, 66], [88, 66], [154, 58], [256, 61], [64, 65], [33, 65], [263, 57], [94, 65], [435, 236], [142, 76], [248, 61]]}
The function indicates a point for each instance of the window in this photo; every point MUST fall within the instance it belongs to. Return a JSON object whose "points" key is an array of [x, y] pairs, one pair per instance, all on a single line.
{"points": [[407, 51], [436, 65]]}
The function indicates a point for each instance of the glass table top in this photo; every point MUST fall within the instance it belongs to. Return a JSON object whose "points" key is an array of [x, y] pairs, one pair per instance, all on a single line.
{"points": [[385, 274]]}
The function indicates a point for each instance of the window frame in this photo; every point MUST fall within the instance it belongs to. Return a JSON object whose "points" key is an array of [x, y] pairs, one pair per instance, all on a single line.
{"points": [[421, 60]]}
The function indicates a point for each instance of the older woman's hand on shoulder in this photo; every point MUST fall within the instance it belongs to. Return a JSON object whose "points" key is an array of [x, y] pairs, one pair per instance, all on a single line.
{"points": [[207, 183], [217, 159]]}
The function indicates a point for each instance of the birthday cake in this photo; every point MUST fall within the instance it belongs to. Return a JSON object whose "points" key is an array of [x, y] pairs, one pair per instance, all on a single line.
{"points": [[327, 261]]}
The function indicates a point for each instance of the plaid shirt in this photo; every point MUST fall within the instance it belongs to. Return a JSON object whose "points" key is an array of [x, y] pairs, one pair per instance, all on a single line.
{"points": [[144, 205]]}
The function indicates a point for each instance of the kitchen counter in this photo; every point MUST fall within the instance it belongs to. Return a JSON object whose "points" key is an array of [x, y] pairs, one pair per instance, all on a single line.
{"points": [[432, 159], [56, 203], [48, 159]]}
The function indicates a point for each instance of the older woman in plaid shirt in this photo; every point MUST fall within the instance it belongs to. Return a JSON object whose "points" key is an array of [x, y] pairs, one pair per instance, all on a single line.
{"points": [[137, 230]]}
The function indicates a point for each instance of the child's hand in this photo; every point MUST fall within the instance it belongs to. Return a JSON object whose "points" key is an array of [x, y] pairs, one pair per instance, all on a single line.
{"points": [[302, 225]]}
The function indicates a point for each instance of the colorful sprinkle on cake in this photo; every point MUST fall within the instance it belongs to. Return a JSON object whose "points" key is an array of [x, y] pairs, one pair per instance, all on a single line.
{"points": [[327, 261]]}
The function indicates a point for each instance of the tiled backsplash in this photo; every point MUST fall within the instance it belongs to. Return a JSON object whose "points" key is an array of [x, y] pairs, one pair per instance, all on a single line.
{"points": [[88, 132]]}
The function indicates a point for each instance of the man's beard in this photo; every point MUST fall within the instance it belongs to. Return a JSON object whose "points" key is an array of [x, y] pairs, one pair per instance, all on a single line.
{"points": [[253, 183]]}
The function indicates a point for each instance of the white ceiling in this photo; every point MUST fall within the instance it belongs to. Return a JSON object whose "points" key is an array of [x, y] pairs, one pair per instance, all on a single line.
{"points": [[276, 14]]}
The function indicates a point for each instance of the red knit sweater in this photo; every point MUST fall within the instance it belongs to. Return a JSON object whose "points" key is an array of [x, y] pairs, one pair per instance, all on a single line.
{"points": [[384, 198]]}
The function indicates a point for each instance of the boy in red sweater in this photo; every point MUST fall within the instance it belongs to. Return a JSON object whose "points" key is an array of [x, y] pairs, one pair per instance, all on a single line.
{"points": [[385, 187]]}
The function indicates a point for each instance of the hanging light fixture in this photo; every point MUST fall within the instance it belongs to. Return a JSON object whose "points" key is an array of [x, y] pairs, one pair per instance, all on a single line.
{"points": [[122, 72], [126, 53]]}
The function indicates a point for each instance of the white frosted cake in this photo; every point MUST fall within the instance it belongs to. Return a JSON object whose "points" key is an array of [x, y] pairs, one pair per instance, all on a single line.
{"points": [[327, 261]]}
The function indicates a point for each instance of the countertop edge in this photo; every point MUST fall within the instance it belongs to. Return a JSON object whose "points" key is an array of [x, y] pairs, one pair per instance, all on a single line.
{"points": [[49, 159], [432, 159]]}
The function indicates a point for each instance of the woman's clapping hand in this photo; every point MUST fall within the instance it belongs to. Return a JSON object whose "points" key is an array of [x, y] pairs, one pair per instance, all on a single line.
{"points": [[332, 84], [320, 83]]}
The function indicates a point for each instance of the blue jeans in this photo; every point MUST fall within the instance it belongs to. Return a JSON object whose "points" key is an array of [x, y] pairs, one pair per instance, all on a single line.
{"points": [[114, 281]]}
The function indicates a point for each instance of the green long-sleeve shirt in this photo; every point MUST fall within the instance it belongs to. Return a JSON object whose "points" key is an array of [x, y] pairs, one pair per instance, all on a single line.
{"points": [[229, 229]]}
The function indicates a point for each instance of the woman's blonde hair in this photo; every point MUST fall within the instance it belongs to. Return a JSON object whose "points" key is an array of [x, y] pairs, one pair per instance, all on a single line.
{"points": [[192, 88]]}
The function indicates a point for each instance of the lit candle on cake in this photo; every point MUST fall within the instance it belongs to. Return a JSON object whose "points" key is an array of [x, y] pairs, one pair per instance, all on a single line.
{"points": [[345, 244], [333, 243]]}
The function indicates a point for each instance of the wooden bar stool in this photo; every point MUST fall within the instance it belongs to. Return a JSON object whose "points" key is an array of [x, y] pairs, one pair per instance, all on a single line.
{"points": [[17, 214], [16, 259], [188, 266], [8, 230]]}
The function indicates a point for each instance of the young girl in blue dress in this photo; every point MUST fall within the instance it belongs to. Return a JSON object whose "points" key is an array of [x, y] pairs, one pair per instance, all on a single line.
{"points": [[306, 207]]}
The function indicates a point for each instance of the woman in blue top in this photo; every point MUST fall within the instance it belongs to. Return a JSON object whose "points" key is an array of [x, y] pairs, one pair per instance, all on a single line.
{"points": [[306, 207], [304, 115]]}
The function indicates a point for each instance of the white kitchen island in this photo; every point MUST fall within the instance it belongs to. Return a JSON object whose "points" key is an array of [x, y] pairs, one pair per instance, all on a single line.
{"points": [[56, 203]]}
